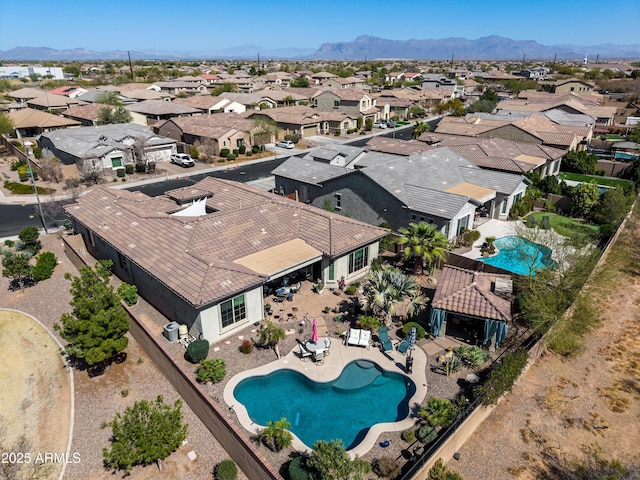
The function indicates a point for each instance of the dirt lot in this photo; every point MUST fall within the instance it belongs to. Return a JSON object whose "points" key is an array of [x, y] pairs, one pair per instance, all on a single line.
{"points": [[554, 410], [39, 385]]}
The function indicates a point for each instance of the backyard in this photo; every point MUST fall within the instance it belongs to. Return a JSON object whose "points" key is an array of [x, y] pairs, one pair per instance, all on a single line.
{"points": [[565, 226], [604, 181]]}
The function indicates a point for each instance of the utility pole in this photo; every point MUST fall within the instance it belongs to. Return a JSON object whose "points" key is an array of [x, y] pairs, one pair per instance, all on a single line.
{"points": [[33, 181], [130, 65], [522, 66]]}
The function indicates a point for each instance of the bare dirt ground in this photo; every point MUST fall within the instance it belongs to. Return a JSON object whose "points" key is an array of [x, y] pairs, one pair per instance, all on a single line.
{"points": [[563, 407], [36, 383]]}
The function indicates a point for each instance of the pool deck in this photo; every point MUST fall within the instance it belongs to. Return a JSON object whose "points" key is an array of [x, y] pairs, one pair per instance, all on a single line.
{"points": [[492, 228], [333, 365]]}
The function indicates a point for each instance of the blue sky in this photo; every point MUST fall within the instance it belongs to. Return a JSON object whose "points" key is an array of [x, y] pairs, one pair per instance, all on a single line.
{"points": [[204, 25]]}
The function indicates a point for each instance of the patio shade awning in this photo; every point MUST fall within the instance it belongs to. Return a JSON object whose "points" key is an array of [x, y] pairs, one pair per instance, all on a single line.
{"points": [[476, 192], [280, 259]]}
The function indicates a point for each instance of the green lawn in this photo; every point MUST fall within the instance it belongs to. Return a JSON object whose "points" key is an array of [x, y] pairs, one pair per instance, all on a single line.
{"points": [[565, 226], [607, 182], [615, 138], [25, 188]]}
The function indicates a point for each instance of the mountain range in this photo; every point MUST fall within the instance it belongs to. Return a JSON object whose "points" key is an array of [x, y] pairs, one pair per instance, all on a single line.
{"points": [[364, 47]]}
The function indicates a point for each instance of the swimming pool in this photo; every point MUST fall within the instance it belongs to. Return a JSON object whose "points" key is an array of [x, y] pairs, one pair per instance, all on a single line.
{"points": [[346, 408], [519, 255]]}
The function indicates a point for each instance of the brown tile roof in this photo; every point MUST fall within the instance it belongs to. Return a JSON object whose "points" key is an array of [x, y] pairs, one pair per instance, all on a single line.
{"points": [[471, 293], [51, 100], [160, 107], [86, 112], [31, 118], [196, 257]]}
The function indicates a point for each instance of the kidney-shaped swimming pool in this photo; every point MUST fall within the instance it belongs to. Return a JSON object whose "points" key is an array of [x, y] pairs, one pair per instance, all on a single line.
{"points": [[346, 408]]}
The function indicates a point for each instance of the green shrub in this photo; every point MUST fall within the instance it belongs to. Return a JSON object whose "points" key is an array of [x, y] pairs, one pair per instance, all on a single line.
{"points": [[128, 169], [236, 152], [224, 152], [193, 152], [409, 436], [197, 351], [249, 153], [427, 434], [420, 332], [439, 412], [232, 156], [45, 264], [351, 290], [368, 125], [37, 152], [120, 172], [502, 377], [128, 293], [255, 149], [103, 267], [469, 237], [292, 137], [9, 243], [151, 167], [16, 164], [226, 470], [337, 134], [212, 370], [141, 168], [242, 149], [22, 173], [386, 467], [297, 469], [29, 236]]}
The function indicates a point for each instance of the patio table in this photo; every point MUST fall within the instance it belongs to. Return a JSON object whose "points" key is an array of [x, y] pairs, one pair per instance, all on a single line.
{"points": [[321, 344]]}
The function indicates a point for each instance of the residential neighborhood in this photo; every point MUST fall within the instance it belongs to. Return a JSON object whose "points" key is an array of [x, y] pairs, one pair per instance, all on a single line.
{"points": [[402, 267]]}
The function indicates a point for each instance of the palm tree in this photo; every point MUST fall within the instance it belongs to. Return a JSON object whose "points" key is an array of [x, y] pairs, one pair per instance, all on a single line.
{"points": [[388, 287], [419, 128], [270, 335], [423, 244], [277, 433]]}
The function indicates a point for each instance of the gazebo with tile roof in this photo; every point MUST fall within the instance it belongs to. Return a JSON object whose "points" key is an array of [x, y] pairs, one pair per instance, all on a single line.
{"points": [[468, 295]]}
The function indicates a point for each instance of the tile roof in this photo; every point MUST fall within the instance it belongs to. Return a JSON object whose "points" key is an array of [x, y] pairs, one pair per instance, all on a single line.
{"points": [[471, 293], [31, 118], [196, 257], [160, 107], [86, 112], [54, 101]]}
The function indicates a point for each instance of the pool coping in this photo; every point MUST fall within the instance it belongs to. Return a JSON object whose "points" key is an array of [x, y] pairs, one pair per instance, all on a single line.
{"points": [[340, 356]]}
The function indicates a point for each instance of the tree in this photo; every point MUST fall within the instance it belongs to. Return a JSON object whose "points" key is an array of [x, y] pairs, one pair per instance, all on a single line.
{"points": [[423, 244], [109, 98], [481, 106], [50, 170], [6, 125], [452, 106], [331, 462], [584, 198], [419, 128], [109, 115], [439, 412], [580, 162], [265, 130], [439, 471], [387, 287], [29, 236], [16, 267], [145, 433], [97, 326], [614, 205], [225, 87], [270, 334], [416, 111], [300, 82], [277, 434]]}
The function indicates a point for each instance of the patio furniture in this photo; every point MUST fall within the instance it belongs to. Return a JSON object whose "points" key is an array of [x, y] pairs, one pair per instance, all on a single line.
{"points": [[323, 343], [546, 224], [318, 357], [304, 353], [383, 334], [403, 346], [359, 337]]}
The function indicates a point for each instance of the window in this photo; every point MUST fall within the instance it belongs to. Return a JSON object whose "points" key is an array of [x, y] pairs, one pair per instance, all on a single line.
{"points": [[358, 259], [232, 311], [556, 166], [315, 102], [421, 218], [517, 198], [116, 162], [463, 224], [413, 216], [332, 272], [503, 210], [338, 200], [239, 142], [336, 103], [446, 229]]}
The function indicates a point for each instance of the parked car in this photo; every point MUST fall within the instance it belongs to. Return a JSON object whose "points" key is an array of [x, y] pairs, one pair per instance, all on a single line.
{"points": [[380, 124], [391, 123], [285, 144], [182, 159]]}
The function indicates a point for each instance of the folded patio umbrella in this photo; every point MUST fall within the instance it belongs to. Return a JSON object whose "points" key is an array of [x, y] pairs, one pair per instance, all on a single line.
{"points": [[314, 335]]}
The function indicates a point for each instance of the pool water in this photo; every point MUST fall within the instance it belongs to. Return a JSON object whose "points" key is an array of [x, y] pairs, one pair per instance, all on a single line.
{"points": [[519, 255], [363, 395]]}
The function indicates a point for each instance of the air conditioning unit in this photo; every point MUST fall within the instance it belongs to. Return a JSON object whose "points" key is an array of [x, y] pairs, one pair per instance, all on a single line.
{"points": [[171, 331]]}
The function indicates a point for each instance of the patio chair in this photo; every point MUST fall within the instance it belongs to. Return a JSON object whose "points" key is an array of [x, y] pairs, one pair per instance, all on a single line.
{"points": [[327, 346], [403, 346], [385, 343], [318, 356], [546, 224], [304, 353]]}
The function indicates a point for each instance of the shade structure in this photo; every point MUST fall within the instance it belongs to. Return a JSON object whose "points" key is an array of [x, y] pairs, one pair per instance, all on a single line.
{"points": [[436, 321], [314, 335], [412, 338]]}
